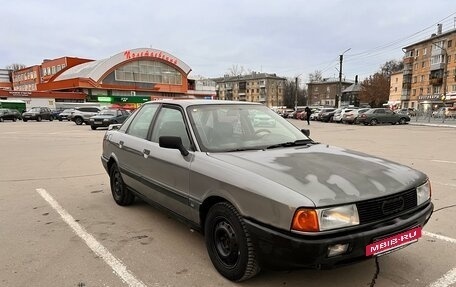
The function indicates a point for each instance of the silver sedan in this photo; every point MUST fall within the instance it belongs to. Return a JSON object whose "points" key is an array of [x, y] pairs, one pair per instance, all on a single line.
{"points": [[263, 195]]}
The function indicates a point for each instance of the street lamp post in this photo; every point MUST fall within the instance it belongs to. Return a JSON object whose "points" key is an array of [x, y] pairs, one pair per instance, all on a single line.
{"points": [[341, 58]]}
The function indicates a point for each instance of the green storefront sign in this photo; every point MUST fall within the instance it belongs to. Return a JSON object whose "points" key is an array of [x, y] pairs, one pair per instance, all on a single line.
{"points": [[119, 99]]}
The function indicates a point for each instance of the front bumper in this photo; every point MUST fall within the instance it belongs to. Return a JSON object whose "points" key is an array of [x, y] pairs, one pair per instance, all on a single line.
{"points": [[286, 249]]}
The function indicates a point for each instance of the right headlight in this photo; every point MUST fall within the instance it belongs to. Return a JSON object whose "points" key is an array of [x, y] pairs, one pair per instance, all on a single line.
{"points": [[314, 220], [423, 192]]}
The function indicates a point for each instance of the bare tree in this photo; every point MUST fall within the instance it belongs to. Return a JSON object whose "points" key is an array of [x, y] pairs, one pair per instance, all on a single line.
{"points": [[236, 70], [15, 66], [391, 66], [316, 76]]}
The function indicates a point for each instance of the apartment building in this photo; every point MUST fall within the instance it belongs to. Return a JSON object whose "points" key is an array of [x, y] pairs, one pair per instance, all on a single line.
{"points": [[325, 92], [429, 75], [395, 89], [5, 79], [255, 87]]}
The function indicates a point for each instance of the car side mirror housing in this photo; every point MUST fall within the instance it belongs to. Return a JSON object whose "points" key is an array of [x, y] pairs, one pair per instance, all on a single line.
{"points": [[114, 127], [306, 132], [173, 143]]}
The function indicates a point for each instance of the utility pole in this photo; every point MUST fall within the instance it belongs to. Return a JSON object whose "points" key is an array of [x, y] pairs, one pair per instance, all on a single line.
{"points": [[341, 58], [296, 94]]}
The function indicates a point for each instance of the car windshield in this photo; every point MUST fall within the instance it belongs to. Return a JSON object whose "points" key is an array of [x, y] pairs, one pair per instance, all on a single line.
{"points": [[108, 112], [238, 127], [34, 109]]}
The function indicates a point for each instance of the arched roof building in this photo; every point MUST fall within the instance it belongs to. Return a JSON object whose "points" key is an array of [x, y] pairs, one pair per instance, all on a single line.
{"points": [[132, 76]]}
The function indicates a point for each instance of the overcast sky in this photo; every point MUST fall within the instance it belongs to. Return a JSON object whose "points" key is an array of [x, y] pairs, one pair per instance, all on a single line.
{"points": [[286, 37]]}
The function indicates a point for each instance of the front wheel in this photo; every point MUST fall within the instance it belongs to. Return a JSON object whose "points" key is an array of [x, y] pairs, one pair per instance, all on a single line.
{"points": [[229, 244], [38, 119], [93, 127], [122, 196], [373, 122], [402, 121]]}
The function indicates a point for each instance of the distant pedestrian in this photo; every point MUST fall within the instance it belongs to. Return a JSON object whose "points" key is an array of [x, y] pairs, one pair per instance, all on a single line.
{"points": [[308, 113]]}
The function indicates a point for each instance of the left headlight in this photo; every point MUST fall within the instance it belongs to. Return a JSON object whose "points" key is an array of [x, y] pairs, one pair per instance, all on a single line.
{"points": [[314, 220], [423, 193]]}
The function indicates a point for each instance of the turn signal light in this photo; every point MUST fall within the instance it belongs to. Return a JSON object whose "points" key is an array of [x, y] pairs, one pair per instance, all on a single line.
{"points": [[305, 220]]}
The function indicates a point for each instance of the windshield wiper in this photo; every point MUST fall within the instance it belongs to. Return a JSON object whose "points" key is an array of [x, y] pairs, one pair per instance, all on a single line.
{"points": [[288, 144], [243, 149]]}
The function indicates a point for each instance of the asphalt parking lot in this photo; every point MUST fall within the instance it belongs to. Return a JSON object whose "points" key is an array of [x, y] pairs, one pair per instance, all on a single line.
{"points": [[60, 227]]}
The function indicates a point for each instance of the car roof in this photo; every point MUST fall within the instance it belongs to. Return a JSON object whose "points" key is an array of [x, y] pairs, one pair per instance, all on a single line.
{"points": [[190, 102]]}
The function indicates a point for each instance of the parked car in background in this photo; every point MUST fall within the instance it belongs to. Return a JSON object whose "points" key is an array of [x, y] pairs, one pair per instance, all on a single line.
{"points": [[56, 112], [9, 115], [324, 111], [263, 196], [108, 117], [262, 120], [327, 115], [447, 112], [352, 116], [82, 115], [382, 115], [408, 111], [65, 115], [339, 115], [38, 114]]}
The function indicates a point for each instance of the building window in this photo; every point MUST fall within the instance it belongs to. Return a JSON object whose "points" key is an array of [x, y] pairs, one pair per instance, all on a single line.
{"points": [[414, 79], [424, 51], [421, 91], [59, 68], [423, 64], [395, 89], [429, 90], [416, 66], [148, 72], [53, 70], [414, 92], [449, 58], [48, 69], [450, 42], [436, 89], [453, 88], [422, 78]]}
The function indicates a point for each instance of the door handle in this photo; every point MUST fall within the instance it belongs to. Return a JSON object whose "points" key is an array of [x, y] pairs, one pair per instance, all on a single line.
{"points": [[121, 144], [146, 153]]}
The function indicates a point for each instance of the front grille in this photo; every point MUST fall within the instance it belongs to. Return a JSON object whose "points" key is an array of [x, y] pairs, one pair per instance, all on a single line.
{"points": [[387, 206]]}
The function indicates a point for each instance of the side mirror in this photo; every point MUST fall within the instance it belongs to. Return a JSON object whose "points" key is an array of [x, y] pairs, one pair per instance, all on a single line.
{"points": [[306, 132], [114, 127], [173, 143]]}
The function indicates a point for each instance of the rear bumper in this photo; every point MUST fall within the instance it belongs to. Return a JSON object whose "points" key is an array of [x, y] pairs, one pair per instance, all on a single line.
{"points": [[285, 249]]}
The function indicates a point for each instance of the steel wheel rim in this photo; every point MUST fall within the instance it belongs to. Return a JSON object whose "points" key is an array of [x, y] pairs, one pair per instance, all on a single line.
{"points": [[225, 243]]}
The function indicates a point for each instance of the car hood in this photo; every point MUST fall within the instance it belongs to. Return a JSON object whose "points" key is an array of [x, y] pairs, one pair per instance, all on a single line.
{"points": [[326, 175]]}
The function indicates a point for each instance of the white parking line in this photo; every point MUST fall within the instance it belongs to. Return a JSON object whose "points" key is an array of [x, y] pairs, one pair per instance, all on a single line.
{"points": [[443, 161], [448, 279], [116, 265], [440, 237]]}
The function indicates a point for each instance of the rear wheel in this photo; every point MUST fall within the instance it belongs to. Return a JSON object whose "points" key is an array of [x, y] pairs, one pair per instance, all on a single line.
{"points": [[229, 244], [93, 127], [1, 120], [51, 118], [38, 118], [78, 121], [24, 120], [120, 193], [402, 121], [14, 119]]}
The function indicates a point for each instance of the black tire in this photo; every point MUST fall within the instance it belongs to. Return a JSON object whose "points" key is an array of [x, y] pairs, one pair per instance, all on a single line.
{"points": [[24, 120], [78, 121], [14, 119], [229, 244], [373, 122], [38, 118], [51, 118], [402, 121], [122, 196], [93, 127], [2, 120]]}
